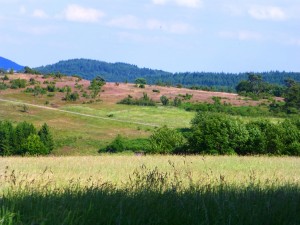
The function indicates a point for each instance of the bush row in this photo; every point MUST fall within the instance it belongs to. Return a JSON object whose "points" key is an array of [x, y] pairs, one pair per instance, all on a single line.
{"points": [[214, 133]]}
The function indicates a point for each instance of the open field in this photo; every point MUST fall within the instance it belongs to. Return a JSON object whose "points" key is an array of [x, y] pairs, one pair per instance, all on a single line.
{"points": [[117, 168], [150, 190]]}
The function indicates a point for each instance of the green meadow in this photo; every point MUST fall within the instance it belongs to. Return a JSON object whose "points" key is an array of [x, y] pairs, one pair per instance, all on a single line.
{"points": [[83, 135]]}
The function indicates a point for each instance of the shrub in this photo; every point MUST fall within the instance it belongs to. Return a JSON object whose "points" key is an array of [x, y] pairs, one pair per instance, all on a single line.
{"points": [[5, 77], [71, 96], [165, 140], [18, 83], [143, 101], [120, 144], [51, 88], [164, 100], [3, 86], [177, 102]]}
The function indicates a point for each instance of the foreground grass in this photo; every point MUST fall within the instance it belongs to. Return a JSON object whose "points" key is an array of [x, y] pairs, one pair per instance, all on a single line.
{"points": [[150, 190]]}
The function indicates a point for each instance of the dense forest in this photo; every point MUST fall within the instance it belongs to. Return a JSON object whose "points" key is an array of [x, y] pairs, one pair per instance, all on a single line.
{"points": [[122, 72]]}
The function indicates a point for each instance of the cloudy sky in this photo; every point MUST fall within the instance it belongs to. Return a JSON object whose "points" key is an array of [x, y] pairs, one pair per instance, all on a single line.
{"points": [[173, 35]]}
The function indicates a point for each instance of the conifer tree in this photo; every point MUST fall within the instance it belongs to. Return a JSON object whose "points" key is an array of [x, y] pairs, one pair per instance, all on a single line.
{"points": [[46, 137]]}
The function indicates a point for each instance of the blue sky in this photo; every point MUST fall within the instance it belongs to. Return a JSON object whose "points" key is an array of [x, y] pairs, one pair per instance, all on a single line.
{"points": [[173, 35]]}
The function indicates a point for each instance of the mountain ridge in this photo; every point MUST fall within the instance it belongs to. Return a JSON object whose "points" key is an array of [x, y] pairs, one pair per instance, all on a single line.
{"points": [[8, 64]]}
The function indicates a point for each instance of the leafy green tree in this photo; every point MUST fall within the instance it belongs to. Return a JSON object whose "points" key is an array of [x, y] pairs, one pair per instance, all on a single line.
{"points": [[290, 137], [256, 88], [140, 81], [165, 140], [216, 134], [34, 146], [292, 97], [28, 70], [256, 143], [96, 85], [46, 137], [164, 100]]}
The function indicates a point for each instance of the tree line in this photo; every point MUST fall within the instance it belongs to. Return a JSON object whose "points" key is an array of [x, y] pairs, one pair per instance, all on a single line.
{"points": [[24, 139], [122, 72], [219, 134]]}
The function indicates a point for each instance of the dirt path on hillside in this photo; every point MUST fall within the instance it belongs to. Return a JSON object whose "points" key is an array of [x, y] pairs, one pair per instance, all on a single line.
{"points": [[79, 114]]}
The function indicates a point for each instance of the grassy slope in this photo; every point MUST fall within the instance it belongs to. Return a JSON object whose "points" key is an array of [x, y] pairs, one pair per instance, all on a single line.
{"points": [[79, 135]]}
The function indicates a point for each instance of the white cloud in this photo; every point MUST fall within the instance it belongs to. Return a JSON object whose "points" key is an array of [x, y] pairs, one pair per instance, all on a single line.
{"points": [[242, 35], [183, 3], [128, 22], [77, 13], [38, 13], [267, 13]]}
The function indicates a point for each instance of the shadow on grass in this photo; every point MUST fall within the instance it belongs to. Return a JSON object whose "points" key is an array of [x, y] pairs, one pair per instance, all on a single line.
{"points": [[198, 205], [149, 197]]}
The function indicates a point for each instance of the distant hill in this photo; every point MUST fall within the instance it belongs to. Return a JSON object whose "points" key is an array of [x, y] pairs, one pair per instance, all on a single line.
{"points": [[121, 72], [113, 72], [7, 64]]}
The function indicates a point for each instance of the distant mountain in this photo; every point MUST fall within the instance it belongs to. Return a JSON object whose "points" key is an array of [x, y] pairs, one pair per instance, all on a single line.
{"points": [[7, 64], [121, 72]]}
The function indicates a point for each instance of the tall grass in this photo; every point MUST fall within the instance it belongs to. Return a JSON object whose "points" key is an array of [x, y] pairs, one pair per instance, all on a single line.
{"points": [[148, 196]]}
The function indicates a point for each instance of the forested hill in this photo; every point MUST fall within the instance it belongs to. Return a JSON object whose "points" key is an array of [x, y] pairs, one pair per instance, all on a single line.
{"points": [[7, 64], [114, 72], [121, 72]]}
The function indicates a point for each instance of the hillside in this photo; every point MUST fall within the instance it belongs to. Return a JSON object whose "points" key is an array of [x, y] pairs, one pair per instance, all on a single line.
{"points": [[121, 72], [7, 64], [81, 127]]}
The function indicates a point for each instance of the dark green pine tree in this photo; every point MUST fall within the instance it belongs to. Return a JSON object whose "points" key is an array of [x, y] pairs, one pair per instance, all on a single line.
{"points": [[22, 131], [6, 138], [46, 137]]}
